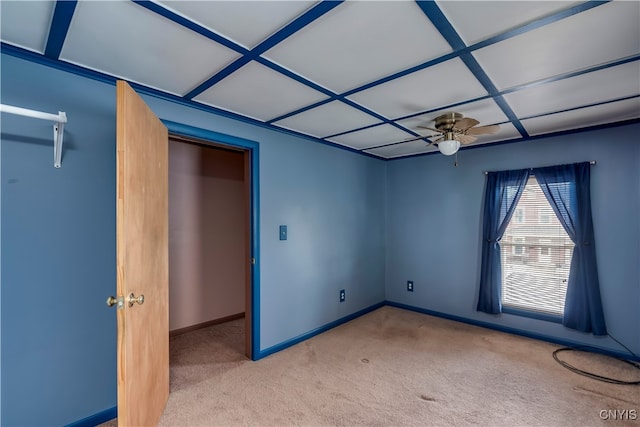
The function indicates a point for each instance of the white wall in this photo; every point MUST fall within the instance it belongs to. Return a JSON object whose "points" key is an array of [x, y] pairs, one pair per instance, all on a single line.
{"points": [[207, 234]]}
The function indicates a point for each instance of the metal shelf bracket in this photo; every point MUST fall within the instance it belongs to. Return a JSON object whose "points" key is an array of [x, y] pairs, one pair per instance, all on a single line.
{"points": [[58, 127]]}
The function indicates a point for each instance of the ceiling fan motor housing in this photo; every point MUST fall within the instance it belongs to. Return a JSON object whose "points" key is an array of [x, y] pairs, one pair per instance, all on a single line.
{"points": [[446, 121]]}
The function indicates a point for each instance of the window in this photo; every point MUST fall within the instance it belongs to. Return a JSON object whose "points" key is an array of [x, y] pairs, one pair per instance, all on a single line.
{"points": [[536, 256], [518, 215], [518, 247], [534, 281], [545, 217]]}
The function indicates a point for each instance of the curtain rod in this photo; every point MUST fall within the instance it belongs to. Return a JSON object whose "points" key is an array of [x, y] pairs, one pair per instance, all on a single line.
{"points": [[593, 162]]}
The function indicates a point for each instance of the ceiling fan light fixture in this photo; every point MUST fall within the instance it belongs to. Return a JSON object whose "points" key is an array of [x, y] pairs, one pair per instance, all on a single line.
{"points": [[449, 146], [453, 130]]}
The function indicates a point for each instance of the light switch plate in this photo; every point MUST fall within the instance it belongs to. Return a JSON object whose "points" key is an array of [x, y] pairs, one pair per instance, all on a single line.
{"points": [[283, 232]]}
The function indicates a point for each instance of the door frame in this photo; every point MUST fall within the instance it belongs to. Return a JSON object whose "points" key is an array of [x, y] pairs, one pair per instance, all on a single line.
{"points": [[213, 138]]}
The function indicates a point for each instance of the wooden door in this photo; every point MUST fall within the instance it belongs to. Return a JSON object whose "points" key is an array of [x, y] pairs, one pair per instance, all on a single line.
{"points": [[142, 261]]}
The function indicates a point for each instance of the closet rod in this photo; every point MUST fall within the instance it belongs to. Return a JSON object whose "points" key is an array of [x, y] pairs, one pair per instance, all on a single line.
{"points": [[58, 128], [61, 117]]}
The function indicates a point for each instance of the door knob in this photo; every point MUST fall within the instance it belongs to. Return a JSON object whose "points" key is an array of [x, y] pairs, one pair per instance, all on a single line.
{"points": [[119, 302], [132, 299]]}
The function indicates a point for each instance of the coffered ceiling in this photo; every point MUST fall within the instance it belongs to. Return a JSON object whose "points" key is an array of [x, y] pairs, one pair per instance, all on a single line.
{"points": [[362, 75]]}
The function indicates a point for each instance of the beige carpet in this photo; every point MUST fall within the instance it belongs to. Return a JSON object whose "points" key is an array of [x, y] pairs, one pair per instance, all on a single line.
{"points": [[392, 367]]}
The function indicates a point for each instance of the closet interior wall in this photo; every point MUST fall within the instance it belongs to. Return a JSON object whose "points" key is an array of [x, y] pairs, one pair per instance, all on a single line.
{"points": [[207, 234]]}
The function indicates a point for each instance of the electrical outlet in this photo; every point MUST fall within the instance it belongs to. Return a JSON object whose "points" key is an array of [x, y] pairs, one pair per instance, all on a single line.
{"points": [[409, 285], [342, 295]]}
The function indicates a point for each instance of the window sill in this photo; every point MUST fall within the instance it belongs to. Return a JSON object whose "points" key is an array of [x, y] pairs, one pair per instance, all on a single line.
{"points": [[532, 314]]}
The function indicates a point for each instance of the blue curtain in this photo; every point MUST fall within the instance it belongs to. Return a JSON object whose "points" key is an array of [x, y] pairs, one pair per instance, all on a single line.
{"points": [[567, 188], [503, 190]]}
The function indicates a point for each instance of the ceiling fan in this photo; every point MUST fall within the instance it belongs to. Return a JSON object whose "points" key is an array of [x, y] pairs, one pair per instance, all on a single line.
{"points": [[454, 129]]}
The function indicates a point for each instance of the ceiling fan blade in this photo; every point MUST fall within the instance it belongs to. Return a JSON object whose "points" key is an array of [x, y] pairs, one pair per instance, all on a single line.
{"points": [[482, 130], [432, 129], [465, 123], [438, 140], [413, 139], [420, 137], [466, 139]]}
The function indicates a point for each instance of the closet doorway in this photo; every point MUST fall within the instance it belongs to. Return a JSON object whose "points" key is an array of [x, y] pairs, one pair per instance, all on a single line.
{"points": [[210, 227]]}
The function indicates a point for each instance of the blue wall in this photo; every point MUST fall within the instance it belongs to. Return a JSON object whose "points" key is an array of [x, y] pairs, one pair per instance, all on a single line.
{"points": [[58, 240], [58, 249], [333, 204], [433, 225]]}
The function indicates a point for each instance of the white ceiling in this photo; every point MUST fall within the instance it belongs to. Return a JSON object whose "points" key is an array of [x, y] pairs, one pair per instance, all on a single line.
{"points": [[362, 75]]}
